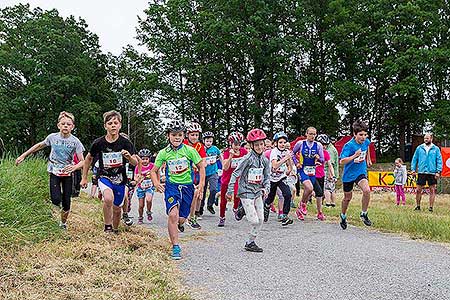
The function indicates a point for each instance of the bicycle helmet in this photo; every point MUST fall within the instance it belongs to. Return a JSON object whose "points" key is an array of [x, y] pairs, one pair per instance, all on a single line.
{"points": [[208, 134], [194, 127], [235, 138], [280, 135], [323, 139], [255, 135], [144, 153], [175, 126]]}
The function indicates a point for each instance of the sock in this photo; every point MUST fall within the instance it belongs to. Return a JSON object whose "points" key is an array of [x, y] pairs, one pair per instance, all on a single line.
{"points": [[363, 213], [343, 216]]}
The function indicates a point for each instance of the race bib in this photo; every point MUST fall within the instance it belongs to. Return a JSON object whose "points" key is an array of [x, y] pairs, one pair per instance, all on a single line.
{"points": [[309, 170], [282, 169], [361, 157], [235, 162], [255, 175], [219, 172], [292, 179], [112, 160], [58, 170], [178, 166], [129, 174], [210, 160], [146, 184]]}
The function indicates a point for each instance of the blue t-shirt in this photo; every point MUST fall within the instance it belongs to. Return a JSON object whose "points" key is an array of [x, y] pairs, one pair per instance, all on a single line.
{"points": [[353, 169], [212, 156]]}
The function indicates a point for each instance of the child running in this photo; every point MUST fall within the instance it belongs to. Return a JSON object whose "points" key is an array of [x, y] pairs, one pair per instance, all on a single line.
{"points": [[211, 180], [232, 157], [355, 157], [145, 189], [112, 151], [179, 187], [401, 175], [253, 176], [63, 146]]}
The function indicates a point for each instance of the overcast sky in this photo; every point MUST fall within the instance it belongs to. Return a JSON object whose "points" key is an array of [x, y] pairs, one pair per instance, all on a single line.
{"points": [[114, 21]]}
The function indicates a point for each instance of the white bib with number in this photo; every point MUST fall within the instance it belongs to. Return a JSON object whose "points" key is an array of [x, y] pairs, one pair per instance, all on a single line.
{"points": [[235, 162], [210, 160], [361, 157], [58, 170], [146, 184], [112, 159], [178, 166], [309, 170], [255, 175]]}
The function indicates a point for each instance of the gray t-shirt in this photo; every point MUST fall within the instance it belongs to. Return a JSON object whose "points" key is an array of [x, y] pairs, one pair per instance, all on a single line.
{"points": [[62, 152], [280, 173]]}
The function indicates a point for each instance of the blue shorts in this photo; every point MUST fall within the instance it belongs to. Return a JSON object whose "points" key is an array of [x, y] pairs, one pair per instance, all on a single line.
{"points": [[304, 177], [180, 195], [141, 192], [118, 190]]}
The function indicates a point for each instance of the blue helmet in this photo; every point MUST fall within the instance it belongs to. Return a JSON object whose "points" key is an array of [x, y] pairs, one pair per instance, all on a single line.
{"points": [[280, 135]]}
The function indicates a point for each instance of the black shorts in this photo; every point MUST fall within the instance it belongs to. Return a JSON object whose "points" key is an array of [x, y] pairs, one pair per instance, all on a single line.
{"points": [[423, 179], [348, 186]]}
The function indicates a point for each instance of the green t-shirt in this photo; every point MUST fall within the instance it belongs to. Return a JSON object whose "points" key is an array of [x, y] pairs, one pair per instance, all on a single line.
{"points": [[178, 163], [334, 158]]}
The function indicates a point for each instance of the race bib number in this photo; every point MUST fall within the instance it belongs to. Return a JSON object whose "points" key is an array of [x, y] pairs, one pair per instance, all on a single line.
{"points": [[112, 159], [210, 160], [178, 166], [146, 184], [58, 170], [219, 172], [255, 175], [309, 170], [361, 157], [235, 162]]}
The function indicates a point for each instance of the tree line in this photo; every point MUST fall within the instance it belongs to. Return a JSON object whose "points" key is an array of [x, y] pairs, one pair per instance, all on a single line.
{"points": [[279, 65]]}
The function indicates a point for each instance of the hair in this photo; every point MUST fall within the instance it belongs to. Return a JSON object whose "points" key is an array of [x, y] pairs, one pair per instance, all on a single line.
{"points": [[428, 133], [310, 128], [107, 116], [399, 160], [65, 114], [359, 126]]}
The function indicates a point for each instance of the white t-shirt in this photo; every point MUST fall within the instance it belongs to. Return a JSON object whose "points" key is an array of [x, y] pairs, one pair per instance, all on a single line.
{"points": [[280, 173]]}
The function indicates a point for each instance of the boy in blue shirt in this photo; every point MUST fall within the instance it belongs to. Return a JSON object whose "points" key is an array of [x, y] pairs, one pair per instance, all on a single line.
{"points": [[355, 157], [212, 157]]}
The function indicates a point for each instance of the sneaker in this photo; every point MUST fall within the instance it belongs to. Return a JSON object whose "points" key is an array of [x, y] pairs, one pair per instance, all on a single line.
{"points": [[140, 220], [272, 208], [417, 208], [343, 222], [280, 217], [115, 231], [320, 216], [286, 221], [211, 210], [221, 222], [310, 201], [293, 205], [240, 213], [63, 226], [149, 216], [332, 204], [126, 220], [192, 222], [430, 209], [108, 229], [299, 215], [176, 252], [266, 212], [252, 247], [327, 204], [365, 219], [200, 212], [198, 216], [180, 227], [303, 208], [398, 203]]}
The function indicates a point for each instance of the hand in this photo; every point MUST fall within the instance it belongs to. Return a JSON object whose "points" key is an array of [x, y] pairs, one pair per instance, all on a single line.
{"points": [[232, 153], [160, 188], [413, 173], [126, 154], [228, 196], [19, 160], [69, 169], [83, 183], [138, 177], [357, 153], [264, 194], [369, 163], [200, 188], [317, 156], [299, 166]]}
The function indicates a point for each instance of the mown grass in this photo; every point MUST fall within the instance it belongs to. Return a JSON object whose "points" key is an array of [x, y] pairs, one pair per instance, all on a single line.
{"points": [[82, 263], [388, 217]]}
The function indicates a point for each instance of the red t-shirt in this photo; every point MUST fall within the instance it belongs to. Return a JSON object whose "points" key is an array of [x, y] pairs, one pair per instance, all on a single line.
{"points": [[197, 146], [226, 175]]}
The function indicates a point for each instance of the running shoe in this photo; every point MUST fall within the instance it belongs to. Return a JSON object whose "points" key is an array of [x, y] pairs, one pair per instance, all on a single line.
{"points": [[293, 204], [299, 215], [252, 247], [280, 217], [221, 222], [286, 221], [126, 219], [140, 220], [149, 216], [343, 222], [272, 208], [108, 229], [63, 226], [211, 209], [240, 213], [266, 212], [320, 216], [417, 208], [365, 219], [180, 227], [303, 208], [176, 252], [430, 209], [192, 222]]}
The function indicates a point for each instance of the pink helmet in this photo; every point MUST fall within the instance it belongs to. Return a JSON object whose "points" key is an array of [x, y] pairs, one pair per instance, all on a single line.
{"points": [[256, 134], [235, 138]]}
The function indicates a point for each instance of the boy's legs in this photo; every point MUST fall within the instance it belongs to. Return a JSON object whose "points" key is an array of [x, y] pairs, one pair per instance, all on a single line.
{"points": [[223, 199], [172, 225], [66, 197], [212, 189], [286, 192], [364, 186]]}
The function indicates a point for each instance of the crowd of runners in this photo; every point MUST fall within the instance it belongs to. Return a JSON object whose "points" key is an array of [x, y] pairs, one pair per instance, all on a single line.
{"points": [[253, 172]]}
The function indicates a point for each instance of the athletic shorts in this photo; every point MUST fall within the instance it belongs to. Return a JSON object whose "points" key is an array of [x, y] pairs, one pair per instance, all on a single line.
{"points": [[118, 190], [348, 186], [330, 185], [180, 195], [304, 177], [141, 192], [423, 179]]}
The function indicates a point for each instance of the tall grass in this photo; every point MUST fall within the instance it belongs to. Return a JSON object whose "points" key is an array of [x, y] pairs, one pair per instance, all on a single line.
{"points": [[25, 208]]}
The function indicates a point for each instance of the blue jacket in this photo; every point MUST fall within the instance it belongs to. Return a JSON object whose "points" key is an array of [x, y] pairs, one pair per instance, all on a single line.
{"points": [[427, 163]]}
